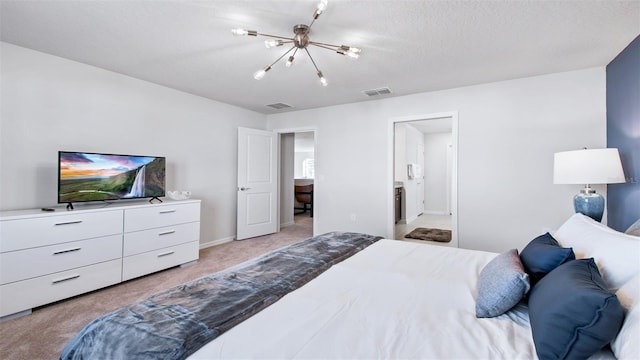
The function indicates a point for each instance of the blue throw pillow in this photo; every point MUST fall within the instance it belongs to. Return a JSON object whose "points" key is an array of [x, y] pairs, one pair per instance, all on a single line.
{"points": [[501, 285], [572, 313], [542, 255]]}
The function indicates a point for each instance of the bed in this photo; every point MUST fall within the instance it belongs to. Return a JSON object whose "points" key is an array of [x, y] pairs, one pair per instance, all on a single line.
{"points": [[390, 299]]}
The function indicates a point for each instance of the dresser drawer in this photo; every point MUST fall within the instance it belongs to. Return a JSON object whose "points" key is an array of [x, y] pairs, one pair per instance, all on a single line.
{"points": [[145, 263], [142, 241], [160, 215], [48, 230], [23, 295], [30, 263]]}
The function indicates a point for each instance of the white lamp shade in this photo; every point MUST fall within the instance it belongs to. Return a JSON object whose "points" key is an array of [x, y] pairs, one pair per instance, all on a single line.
{"points": [[588, 166]]}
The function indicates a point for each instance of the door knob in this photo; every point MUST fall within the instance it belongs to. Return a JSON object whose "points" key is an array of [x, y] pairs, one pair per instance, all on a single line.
{"points": [[244, 189]]}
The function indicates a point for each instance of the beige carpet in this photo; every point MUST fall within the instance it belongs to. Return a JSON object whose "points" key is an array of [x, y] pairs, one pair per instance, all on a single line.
{"points": [[43, 334]]}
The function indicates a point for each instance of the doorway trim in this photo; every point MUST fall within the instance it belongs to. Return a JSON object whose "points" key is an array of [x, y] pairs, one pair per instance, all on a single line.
{"points": [[279, 133], [454, 168]]}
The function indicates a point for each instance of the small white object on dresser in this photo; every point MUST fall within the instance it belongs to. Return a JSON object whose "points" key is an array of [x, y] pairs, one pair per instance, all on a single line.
{"points": [[50, 256]]}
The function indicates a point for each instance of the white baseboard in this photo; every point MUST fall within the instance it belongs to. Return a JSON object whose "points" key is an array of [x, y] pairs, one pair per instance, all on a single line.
{"points": [[216, 242], [288, 224], [410, 219], [435, 212]]}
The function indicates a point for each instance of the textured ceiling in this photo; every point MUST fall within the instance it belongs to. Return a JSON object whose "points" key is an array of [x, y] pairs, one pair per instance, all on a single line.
{"points": [[409, 46]]}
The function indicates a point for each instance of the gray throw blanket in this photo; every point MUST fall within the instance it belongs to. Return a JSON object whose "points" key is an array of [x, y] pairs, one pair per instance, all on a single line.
{"points": [[175, 323]]}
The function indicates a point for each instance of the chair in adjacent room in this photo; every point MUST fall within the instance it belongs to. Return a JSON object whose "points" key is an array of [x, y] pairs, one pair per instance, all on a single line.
{"points": [[304, 195]]}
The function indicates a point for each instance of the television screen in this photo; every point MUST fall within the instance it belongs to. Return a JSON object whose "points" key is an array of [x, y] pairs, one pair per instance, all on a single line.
{"points": [[97, 177]]}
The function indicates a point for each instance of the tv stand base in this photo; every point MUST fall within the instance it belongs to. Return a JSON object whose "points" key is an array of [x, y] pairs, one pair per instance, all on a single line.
{"points": [[156, 198]]}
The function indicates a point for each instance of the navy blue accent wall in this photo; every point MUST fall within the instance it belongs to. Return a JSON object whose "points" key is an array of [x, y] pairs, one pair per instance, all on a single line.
{"points": [[623, 132]]}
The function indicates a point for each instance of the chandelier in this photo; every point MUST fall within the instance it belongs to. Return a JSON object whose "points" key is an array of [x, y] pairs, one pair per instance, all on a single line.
{"points": [[300, 41]]}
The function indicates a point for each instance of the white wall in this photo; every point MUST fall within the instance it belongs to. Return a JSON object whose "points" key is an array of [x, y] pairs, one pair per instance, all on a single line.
{"points": [[400, 153], [435, 173], [413, 194], [51, 104], [287, 199], [507, 134]]}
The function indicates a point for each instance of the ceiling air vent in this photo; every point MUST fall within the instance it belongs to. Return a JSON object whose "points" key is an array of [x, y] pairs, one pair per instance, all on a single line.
{"points": [[376, 92], [279, 106]]}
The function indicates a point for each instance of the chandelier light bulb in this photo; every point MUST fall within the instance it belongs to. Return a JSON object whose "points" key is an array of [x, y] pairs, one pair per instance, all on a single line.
{"points": [[289, 61], [272, 43], [242, 32], [350, 51], [260, 73], [352, 55], [322, 6], [323, 80], [239, 32]]}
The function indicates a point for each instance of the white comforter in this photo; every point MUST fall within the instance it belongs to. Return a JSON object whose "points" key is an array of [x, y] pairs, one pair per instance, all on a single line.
{"points": [[393, 300]]}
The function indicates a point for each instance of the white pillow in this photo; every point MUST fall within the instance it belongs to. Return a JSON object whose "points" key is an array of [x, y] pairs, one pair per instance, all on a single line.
{"points": [[626, 344], [617, 254]]}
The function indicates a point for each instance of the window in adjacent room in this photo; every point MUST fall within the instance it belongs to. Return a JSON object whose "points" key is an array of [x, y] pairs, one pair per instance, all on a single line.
{"points": [[308, 171]]}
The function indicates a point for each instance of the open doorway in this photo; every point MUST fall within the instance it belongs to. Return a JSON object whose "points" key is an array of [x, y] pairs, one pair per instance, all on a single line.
{"points": [[297, 174], [425, 176]]}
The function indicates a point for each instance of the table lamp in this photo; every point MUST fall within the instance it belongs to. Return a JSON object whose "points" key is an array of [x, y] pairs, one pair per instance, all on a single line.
{"points": [[588, 166]]}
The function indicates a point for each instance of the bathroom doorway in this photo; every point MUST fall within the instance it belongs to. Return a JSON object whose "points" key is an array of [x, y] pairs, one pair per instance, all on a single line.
{"points": [[425, 175]]}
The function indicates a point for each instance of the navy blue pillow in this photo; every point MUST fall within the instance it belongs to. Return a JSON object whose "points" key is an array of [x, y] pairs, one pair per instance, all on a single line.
{"points": [[542, 255], [572, 313]]}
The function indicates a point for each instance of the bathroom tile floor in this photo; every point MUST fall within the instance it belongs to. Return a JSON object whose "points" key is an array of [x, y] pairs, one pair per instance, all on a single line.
{"points": [[426, 221]]}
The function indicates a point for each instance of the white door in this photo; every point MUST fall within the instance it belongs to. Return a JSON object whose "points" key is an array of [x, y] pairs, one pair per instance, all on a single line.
{"points": [[257, 183]]}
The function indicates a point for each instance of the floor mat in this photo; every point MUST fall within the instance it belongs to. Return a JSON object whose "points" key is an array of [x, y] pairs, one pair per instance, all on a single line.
{"points": [[438, 235]]}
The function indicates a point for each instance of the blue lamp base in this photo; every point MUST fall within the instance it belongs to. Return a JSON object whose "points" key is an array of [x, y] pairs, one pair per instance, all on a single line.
{"points": [[589, 203]]}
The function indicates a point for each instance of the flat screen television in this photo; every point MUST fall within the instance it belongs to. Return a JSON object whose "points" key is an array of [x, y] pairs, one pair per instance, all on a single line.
{"points": [[86, 176]]}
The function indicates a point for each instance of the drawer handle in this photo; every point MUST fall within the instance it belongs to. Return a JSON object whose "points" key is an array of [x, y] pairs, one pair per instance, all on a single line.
{"points": [[66, 251], [69, 223], [167, 211], [166, 253], [66, 279], [166, 232]]}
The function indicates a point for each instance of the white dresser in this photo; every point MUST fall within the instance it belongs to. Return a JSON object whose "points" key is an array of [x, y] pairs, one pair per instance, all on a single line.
{"points": [[49, 256], [159, 237]]}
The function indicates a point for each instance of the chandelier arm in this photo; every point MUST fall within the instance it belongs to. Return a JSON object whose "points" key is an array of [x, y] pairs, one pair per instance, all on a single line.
{"points": [[324, 47], [287, 41], [324, 44], [275, 36], [281, 56], [311, 57], [292, 57], [312, 21]]}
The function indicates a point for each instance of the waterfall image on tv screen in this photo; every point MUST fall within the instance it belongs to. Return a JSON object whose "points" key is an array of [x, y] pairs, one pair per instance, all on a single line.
{"points": [[98, 177]]}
